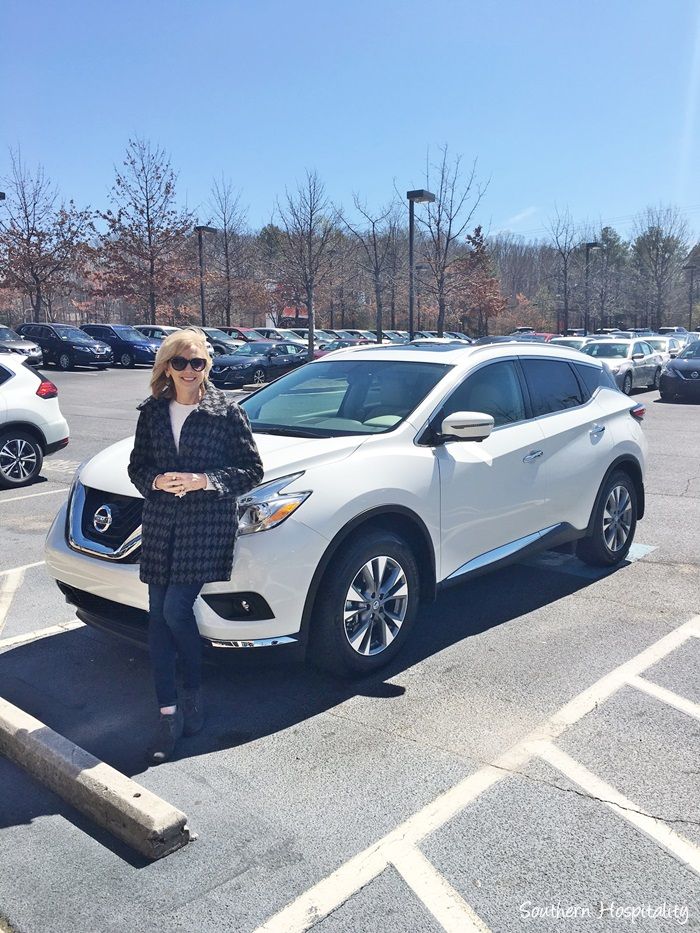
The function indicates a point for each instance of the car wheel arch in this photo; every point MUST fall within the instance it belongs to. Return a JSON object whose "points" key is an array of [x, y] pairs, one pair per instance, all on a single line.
{"points": [[626, 464], [28, 428], [397, 519]]}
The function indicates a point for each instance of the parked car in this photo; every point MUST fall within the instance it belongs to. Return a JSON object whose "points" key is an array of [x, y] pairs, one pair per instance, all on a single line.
{"points": [[339, 345], [67, 346], [633, 363], [672, 331], [129, 346], [390, 473], [31, 423], [576, 343], [156, 332], [256, 363], [668, 348], [222, 343], [680, 378], [13, 343]]}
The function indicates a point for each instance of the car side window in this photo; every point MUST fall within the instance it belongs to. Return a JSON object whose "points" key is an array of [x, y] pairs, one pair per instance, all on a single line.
{"points": [[4, 374], [553, 386], [646, 349], [637, 348], [494, 389], [590, 377]]}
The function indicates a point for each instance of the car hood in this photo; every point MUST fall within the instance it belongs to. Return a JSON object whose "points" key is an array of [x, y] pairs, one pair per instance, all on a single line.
{"points": [[280, 455], [684, 366]]}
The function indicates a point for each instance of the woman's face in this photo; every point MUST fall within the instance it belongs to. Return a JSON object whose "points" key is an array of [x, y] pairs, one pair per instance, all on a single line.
{"points": [[187, 380]]}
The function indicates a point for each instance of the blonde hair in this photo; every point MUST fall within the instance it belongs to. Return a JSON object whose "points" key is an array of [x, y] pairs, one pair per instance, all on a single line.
{"points": [[174, 345]]}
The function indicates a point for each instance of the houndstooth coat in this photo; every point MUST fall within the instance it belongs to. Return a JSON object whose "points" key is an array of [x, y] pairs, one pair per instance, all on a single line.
{"points": [[190, 540]]}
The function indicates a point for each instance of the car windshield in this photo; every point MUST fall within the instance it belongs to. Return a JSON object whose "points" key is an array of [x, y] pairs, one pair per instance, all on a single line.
{"points": [[255, 348], [72, 333], [342, 397], [607, 350], [128, 333], [7, 334], [691, 352], [216, 334]]}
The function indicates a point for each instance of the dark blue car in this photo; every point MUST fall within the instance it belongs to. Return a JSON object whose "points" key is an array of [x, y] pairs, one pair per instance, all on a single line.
{"points": [[128, 345], [257, 362]]}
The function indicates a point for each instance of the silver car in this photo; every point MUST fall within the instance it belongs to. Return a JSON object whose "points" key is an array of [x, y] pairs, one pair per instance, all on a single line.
{"points": [[11, 342], [633, 363]]}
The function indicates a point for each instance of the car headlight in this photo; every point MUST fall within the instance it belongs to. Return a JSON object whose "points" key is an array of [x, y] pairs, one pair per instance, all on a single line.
{"points": [[266, 507], [667, 370]]}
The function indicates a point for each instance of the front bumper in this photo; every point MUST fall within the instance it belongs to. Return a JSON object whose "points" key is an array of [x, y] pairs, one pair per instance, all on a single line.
{"points": [[678, 387], [277, 564], [231, 380]]}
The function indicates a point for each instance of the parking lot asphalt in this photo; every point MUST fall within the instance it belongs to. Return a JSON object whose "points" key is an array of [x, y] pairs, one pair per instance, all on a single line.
{"points": [[506, 769]]}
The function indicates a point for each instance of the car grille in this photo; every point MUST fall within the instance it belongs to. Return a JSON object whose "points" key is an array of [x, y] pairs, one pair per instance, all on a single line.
{"points": [[126, 517], [685, 374]]}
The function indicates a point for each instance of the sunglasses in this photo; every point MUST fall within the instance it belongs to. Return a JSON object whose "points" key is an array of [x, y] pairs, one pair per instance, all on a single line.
{"points": [[179, 363]]}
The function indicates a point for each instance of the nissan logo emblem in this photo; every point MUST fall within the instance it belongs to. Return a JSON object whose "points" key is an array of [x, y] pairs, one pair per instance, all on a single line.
{"points": [[695, 374], [102, 519]]}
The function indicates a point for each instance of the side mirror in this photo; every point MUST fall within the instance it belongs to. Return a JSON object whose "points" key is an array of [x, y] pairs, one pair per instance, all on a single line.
{"points": [[637, 356], [673, 355], [467, 426]]}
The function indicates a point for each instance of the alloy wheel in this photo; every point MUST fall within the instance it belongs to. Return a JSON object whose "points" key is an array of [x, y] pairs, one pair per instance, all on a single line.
{"points": [[375, 606], [617, 518], [64, 361], [627, 384], [259, 377], [18, 460]]}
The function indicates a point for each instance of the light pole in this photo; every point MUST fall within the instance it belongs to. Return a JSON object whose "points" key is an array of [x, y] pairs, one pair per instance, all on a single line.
{"points": [[420, 268], [414, 197], [589, 247], [690, 268], [201, 228]]}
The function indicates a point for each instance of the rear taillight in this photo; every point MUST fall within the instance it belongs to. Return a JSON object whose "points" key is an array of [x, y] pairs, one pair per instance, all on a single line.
{"points": [[47, 389], [638, 411]]}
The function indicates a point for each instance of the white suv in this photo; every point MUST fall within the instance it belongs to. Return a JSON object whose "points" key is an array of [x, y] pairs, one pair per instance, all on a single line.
{"points": [[390, 472], [31, 423]]}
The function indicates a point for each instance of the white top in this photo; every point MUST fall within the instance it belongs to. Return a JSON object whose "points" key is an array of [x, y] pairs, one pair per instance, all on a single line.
{"points": [[178, 415]]}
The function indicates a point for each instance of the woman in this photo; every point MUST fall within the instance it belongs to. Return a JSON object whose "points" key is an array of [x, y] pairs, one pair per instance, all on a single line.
{"points": [[193, 454]]}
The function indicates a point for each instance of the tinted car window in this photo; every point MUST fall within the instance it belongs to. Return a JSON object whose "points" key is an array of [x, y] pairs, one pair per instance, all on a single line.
{"points": [[4, 374], [553, 386], [590, 377], [494, 389]]}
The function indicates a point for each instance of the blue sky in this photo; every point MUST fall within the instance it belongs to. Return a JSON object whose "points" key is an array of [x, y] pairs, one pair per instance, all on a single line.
{"points": [[589, 105]]}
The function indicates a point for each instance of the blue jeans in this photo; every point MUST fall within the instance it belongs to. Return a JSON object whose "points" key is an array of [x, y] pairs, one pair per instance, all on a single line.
{"points": [[173, 633]]}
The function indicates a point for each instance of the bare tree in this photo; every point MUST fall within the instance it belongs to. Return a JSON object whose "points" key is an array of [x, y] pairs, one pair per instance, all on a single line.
{"points": [[659, 249], [565, 240], [230, 218], [43, 241], [144, 246], [307, 234], [375, 241], [456, 200]]}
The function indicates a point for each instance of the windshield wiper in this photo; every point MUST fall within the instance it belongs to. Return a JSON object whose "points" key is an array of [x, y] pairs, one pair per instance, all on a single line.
{"points": [[287, 432]]}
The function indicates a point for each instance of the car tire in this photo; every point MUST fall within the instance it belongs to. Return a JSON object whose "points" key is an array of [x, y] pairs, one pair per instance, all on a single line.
{"points": [[377, 558], [613, 523], [259, 376], [64, 362], [21, 459], [657, 379], [127, 361], [627, 384]]}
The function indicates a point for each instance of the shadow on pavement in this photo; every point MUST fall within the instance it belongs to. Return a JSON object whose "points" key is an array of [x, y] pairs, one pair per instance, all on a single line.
{"points": [[97, 691]]}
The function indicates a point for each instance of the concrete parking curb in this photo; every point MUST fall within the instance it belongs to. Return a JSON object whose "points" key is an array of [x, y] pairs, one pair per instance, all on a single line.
{"points": [[145, 822]]}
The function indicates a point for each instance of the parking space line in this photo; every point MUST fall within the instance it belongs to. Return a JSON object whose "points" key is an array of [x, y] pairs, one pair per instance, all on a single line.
{"points": [[33, 495], [666, 696], [329, 893], [678, 846], [445, 904], [9, 585], [39, 633], [38, 563]]}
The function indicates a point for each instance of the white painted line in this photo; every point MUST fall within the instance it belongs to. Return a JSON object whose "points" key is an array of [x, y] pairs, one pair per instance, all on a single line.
{"points": [[445, 904], [9, 585], [678, 846], [40, 633], [666, 696], [316, 903], [38, 563], [48, 492]]}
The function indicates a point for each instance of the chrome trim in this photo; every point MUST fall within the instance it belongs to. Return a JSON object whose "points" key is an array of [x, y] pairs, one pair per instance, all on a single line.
{"points": [[77, 540], [499, 553], [533, 455], [252, 642]]}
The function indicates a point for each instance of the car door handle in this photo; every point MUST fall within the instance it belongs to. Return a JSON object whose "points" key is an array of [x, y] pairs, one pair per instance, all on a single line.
{"points": [[533, 455], [597, 430]]}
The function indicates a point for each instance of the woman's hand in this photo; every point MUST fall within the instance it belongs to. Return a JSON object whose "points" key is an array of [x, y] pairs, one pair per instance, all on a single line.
{"points": [[180, 483]]}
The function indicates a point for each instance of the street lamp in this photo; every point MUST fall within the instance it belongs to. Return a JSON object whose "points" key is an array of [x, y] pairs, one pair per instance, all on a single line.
{"points": [[589, 246], [421, 267], [690, 268], [200, 229], [414, 197]]}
